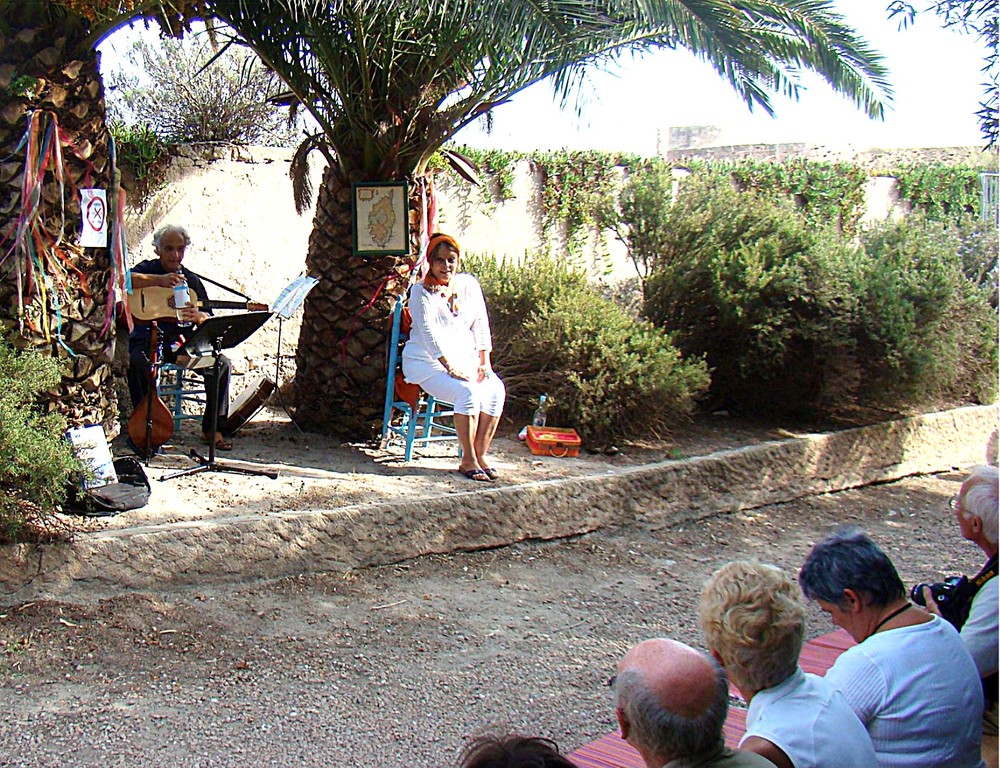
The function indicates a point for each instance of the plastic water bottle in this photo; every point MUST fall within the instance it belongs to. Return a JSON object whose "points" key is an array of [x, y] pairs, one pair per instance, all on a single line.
{"points": [[182, 298], [538, 420]]}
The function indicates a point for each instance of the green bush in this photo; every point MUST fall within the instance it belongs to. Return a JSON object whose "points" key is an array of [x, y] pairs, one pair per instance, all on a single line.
{"points": [[928, 330], [138, 147], [797, 321], [36, 459], [607, 375]]}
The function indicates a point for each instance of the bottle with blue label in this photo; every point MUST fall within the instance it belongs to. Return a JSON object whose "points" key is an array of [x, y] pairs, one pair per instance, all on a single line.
{"points": [[182, 298]]}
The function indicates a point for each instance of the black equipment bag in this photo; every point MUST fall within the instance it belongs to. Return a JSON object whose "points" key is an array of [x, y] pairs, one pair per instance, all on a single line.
{"points": [[130, 492]]}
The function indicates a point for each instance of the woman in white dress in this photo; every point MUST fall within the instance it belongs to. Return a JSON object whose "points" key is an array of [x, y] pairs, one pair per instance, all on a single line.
{"points": [[448, 353]]}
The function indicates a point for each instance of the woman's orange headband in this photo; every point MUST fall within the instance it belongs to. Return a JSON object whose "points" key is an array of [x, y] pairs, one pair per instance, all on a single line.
{"points": [[439, 239]]}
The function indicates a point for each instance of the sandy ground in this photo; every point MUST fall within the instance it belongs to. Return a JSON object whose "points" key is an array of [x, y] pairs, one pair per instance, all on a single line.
{"points": [[399, 665]]}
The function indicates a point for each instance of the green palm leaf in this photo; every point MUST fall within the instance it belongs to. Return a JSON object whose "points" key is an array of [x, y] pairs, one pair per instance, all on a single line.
{"points": [[390, 81]]}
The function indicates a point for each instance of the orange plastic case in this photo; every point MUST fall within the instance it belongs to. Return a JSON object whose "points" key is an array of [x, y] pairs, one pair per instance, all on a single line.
{"points": [[553, 441]]}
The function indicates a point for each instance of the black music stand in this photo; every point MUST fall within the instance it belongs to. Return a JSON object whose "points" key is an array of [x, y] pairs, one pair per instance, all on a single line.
{"points": [[213, 336]]}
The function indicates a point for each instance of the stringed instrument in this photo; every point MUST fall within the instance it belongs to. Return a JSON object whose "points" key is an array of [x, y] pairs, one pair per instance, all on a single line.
{"points": [[151, 423], [157, 303]]}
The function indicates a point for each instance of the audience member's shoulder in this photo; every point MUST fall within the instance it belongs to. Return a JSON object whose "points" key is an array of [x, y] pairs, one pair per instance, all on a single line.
{"points": [[739, 758]]}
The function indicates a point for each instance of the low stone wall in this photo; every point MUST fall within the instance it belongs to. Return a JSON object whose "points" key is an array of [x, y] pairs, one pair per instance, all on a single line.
{"points": [[661, 494]]}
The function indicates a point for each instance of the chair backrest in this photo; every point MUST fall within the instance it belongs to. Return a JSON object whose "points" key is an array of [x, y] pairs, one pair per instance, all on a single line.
{"points": [[393, 378], [401, 324]]}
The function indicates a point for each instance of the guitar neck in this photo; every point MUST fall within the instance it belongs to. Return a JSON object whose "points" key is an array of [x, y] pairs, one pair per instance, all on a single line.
{"points": [[155, 303], [213, 304]]}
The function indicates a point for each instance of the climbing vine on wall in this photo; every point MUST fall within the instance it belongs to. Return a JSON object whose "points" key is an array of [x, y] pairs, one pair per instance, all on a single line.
{"points": [[823, 192], [580, 189], [496, 168], [942, 192]]}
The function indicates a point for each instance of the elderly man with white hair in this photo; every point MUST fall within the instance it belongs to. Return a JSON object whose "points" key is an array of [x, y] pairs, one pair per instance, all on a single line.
{"points": [[976, 512]]}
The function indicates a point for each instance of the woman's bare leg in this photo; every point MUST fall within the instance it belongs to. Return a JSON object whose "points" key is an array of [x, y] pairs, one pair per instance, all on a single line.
{"points": [[485, 430], [467, 429]]}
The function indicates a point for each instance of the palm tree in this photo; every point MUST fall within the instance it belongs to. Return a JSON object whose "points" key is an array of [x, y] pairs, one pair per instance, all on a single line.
{"points": [[52, 122], [390, 81]]}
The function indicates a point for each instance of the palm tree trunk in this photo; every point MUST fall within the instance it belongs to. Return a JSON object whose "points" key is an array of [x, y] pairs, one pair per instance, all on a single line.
{"points": [[43, 68], [340, 377]]}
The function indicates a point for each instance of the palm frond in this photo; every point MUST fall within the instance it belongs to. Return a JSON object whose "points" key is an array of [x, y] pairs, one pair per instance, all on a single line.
{"points": [[298, 172], [390, 81]]}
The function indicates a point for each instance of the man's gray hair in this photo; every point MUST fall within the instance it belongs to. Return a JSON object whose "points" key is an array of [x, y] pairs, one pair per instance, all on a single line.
{"points": [[981, 499], [158, 235], [666, 734]]}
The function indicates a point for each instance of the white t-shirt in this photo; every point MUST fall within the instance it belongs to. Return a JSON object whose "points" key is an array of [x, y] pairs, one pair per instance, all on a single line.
{"points": [[917, 691], [980, 630], [449, 323], [811, 722]]}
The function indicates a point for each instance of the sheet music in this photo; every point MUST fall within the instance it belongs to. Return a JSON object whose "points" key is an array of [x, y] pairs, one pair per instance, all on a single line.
{"points": [[292, 296]]}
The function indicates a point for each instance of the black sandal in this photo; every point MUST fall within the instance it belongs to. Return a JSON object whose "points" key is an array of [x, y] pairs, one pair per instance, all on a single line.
{"points": [[476, 474]]}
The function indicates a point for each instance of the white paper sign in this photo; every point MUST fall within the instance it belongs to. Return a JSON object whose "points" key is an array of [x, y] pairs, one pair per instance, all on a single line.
{"points": [[94, 210], [91, 446]]}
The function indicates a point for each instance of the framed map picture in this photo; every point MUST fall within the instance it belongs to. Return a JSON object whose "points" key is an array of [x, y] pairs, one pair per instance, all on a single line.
{"points": [[381, 218]]}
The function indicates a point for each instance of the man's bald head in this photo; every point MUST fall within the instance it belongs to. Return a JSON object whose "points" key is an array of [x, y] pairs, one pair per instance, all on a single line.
{"points": [[672, 700]]}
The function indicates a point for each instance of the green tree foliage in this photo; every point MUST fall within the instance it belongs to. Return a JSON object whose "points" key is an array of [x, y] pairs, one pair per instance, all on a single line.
{"points": [[798, 321], [390, 81], [188, 91], [607, 375], [36, 460], [645, 199]]}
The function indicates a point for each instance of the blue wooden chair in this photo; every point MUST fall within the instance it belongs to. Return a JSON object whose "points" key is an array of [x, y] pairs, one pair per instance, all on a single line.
{"points": [[181, 386], [409, 411]]}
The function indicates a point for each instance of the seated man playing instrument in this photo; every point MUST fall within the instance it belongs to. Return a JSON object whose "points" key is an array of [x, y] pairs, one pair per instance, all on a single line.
{"points": [[166, 271]]}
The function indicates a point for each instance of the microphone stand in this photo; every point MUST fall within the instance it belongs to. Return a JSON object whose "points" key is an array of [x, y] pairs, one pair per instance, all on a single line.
{"points": [[209, 464], [277, 378]]}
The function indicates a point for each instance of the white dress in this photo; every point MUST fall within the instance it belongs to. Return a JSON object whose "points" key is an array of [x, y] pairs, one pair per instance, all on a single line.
{"points": [[451, 324]]}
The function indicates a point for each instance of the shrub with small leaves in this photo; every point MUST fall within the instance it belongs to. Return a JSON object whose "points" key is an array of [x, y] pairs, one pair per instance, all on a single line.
{"points": [[798, 321], [36, 459], [186, 91], [607, 375], [927, 330]]}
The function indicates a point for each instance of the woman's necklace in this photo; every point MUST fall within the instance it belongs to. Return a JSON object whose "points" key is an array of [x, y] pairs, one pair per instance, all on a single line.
{"points": [[891, 616]]}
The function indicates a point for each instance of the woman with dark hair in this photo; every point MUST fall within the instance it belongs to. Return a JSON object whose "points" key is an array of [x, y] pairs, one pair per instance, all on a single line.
{"points": [[448, 353], [512, 751], [910, 679]]}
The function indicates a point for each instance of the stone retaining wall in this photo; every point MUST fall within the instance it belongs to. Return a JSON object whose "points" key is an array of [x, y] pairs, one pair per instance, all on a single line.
{"points": [[660, 495]]}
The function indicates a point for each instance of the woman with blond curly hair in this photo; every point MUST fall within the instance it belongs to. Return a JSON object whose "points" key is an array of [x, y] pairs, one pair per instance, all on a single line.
{"points": [[754, 622]]}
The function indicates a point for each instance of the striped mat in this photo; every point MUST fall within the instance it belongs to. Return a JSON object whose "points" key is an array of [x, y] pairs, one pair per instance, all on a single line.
{"points": [[611, 751]]}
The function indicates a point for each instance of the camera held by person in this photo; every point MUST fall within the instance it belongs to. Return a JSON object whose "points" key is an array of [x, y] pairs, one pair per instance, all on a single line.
{"points": [[953, 597]]}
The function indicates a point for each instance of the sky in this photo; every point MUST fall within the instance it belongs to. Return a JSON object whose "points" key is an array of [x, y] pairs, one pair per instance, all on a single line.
{"points": [[934, 72]]}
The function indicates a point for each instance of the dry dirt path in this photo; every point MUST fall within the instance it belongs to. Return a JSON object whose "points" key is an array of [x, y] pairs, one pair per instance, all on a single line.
{"points": [[398, 665]]}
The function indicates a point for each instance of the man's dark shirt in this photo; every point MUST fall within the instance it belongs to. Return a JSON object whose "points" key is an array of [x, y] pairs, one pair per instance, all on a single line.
{"points": [[171, 331]]}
